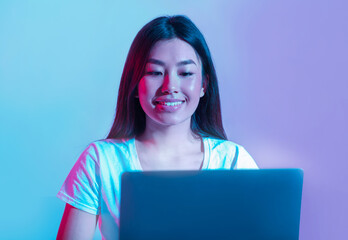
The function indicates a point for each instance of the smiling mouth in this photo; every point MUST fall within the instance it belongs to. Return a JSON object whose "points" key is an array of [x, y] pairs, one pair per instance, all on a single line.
{"points": [[170, 103]]}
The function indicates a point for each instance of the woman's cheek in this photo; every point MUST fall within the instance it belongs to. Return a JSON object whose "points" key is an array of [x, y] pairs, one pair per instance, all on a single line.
{"points": [[143, 88], [192, 85]]}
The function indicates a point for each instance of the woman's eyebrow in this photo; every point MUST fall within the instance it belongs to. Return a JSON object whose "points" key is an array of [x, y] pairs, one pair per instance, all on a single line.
{"points": [[155, 61], [181, 63], [185, 62]]}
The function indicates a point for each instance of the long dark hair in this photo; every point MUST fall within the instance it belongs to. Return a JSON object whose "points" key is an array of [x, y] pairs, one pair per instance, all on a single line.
{"points": [[130, 117]]}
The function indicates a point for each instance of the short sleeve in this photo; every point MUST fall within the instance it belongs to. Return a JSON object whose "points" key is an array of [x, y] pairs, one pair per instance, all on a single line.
{"points": [[242, 159], [81, 188]]}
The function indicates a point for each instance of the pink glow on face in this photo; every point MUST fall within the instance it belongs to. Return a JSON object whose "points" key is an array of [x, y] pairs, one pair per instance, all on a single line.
{"points": [[171, 87]]}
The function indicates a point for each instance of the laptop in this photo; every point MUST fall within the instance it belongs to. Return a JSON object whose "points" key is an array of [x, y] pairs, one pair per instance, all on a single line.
{"points": [[213, 204]]}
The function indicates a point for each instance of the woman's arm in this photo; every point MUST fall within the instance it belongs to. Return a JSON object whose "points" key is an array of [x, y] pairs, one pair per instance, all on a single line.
{"points": [[76, 224]]}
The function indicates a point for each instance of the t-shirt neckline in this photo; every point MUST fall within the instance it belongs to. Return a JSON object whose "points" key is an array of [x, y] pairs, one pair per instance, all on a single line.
{"points": [[137, 166]]}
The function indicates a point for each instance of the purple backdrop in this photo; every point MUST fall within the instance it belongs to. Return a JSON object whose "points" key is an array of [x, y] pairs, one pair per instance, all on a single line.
{"points": [[282, 68]]}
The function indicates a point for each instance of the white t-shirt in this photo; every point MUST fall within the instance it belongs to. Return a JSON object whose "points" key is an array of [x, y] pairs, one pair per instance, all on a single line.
{"points": [[93, 184]]}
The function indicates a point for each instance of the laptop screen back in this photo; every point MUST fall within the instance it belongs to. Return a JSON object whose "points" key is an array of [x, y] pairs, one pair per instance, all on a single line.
{"points": [[216, 204]]}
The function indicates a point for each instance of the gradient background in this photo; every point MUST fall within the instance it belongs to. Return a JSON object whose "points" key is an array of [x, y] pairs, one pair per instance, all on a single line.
{"points": [[282, 68]]}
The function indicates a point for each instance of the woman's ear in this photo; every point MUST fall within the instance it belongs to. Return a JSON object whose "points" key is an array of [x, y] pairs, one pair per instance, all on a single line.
{"points": [[204, 85], [202, 92]]}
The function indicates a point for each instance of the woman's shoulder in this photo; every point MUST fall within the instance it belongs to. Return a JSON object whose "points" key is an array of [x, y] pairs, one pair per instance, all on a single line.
{"points": [[111, 146], [106, 152], [235, 153], [113, 142], [216, 143]]}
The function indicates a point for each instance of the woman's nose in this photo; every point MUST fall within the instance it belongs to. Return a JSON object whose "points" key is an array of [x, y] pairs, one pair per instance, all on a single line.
{"points": [[170, 83]]}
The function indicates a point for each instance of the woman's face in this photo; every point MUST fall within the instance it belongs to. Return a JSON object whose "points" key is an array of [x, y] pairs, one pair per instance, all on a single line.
{"points": [[171, 86]]}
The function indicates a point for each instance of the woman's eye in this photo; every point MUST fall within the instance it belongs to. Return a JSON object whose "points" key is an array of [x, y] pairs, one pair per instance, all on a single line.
{"points": [[153, 73], [186, 74]]}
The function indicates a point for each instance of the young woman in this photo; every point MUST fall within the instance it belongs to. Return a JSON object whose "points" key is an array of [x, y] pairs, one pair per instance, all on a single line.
{"points": [[167, 118]]}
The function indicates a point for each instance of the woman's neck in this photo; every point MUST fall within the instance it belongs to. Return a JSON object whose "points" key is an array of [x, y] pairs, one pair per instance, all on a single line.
{"points": [[172, 147], [173, 135]]}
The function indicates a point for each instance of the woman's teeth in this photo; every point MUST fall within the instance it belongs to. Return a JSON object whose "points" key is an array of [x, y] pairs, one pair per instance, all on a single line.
{"points": [[170, 103]]}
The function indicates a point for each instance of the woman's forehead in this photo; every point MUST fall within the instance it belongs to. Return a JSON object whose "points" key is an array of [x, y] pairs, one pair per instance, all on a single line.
{"points": [[174, 50]]}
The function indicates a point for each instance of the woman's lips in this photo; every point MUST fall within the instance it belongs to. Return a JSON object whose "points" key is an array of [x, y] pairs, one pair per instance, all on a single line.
{"points": [[168, 105]]}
